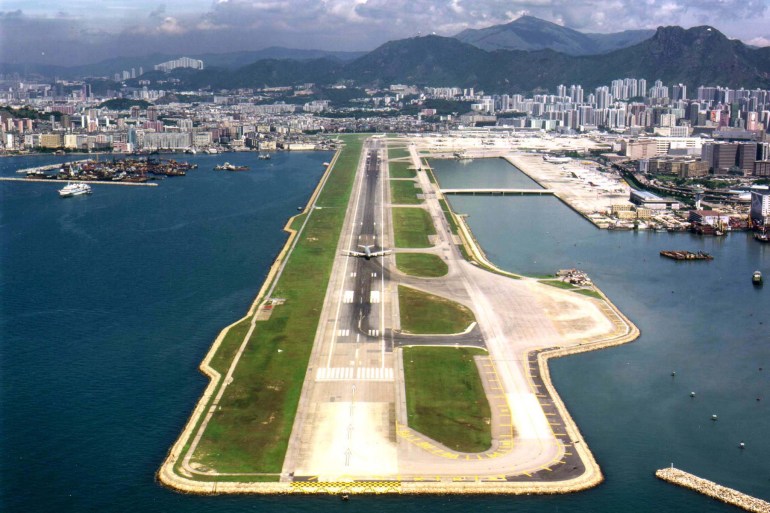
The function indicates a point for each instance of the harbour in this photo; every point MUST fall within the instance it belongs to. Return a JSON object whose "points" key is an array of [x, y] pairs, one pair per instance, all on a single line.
{"points": [[530, 235]]}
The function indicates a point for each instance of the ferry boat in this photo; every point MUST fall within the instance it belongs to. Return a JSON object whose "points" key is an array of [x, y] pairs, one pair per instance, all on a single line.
{"points": [[74, 189], [756, 278]]}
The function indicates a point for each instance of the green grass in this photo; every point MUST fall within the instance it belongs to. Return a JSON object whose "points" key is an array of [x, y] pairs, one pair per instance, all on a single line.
{"points": [[558, 284], [229, 346], [426, 314], [401, 170], [449, 217], [250, 430], [590, 293], [412, 227], [445, 398], [397, 153], [423, 265], [431, 176], [404, 192]]}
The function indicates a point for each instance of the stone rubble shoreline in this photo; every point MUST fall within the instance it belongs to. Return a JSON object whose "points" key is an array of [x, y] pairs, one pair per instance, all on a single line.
{"points": [[713, 490]]}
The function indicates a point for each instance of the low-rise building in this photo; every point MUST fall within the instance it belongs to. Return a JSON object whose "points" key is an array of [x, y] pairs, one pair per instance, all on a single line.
{"points": [[683, 167], [649, 200], [709, 217]]}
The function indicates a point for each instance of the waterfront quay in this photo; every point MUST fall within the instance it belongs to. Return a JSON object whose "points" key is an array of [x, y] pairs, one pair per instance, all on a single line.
{"points": [[713, 490]]}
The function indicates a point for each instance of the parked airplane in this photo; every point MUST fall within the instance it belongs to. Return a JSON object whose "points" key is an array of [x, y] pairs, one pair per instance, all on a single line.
{"points": [[367, 253], [557, 160]]}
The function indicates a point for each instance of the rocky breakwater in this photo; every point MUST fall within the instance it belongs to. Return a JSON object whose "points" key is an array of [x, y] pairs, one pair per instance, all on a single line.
{"points": [[713, 490]]}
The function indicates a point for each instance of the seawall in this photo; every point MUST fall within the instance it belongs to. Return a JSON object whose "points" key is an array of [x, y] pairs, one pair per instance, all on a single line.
{"points": [[713, 490]]}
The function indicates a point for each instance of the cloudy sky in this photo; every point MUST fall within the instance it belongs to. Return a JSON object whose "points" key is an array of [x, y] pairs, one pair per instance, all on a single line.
{"points": [[78, 31]]}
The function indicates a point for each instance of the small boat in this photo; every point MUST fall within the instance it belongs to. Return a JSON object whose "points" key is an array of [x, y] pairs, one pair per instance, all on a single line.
{"points": [[686, 255], [762, 236], [264, 156], [756, 278], [230, 167], [74, 189]]}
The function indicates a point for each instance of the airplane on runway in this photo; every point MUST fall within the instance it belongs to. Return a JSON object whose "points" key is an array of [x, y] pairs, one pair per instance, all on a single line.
{"points": [[367, 253]]}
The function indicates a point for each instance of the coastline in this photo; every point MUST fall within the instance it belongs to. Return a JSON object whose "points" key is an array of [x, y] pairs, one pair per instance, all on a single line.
{"points": [[182, 480], [167, 474]]}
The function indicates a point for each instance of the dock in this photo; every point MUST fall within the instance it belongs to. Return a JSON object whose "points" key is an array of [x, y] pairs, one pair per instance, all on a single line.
{"points": [[50, 167], [499, 192], [60, 182], [713, 490]]}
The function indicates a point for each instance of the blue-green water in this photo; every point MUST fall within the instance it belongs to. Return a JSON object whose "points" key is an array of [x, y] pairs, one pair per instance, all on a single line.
{"points": [[703, 320], [108, 304]]}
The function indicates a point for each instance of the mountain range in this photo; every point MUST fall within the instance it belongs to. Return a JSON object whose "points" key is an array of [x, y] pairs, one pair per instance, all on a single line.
{"points": [[696, 56], [530, 33], [232, 60]]}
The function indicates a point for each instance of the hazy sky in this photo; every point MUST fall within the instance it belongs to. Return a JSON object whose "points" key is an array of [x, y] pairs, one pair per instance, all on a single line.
{"points": [[76, 31]]}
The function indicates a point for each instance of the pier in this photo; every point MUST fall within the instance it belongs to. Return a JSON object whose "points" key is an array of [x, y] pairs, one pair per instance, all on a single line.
{"points": [[49, 167], [713, 490], [50, 180], [499, 192]]}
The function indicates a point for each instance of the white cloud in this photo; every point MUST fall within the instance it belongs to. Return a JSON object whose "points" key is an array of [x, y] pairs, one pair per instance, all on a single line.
{"points": [[227, 25], [759, 41]]}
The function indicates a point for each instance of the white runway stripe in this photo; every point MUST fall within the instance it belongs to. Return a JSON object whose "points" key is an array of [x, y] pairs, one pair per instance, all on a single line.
{"points": [[349, 373]]}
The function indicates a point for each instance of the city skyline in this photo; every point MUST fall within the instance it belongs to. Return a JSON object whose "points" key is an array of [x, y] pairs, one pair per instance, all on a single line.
{"points": [[85, 31]]}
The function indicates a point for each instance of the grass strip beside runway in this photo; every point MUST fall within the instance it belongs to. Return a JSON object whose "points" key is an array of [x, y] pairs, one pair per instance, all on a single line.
{"points": [[250, 430], [401, 170], [411, 227], [398, 152], [404, 192], [427, 314], [445, 398], [423, 265]]}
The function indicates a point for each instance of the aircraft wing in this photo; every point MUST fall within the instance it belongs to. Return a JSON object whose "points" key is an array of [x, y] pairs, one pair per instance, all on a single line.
{"points": [[381, 253], [354, 253]]}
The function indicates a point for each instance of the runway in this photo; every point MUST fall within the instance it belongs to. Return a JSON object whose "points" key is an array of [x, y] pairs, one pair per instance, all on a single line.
{"points": [[352, 424]]}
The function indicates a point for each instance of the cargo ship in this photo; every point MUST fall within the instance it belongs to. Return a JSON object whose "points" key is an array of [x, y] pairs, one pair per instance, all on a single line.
{"points": [[686, 255]]}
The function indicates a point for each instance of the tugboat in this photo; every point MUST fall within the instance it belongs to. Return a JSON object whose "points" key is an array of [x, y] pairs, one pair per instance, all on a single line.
{"points": [[756, 278]]}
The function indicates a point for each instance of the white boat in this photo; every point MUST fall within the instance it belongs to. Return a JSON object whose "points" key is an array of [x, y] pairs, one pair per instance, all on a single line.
{"points": [[74, 189]]}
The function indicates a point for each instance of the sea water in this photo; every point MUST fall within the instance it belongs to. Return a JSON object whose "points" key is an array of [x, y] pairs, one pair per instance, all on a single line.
{"points": [[703, 321], [108, 304]]}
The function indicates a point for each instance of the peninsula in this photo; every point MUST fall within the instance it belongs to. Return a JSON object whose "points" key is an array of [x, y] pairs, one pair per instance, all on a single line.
{"points": [[386, 354]]}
